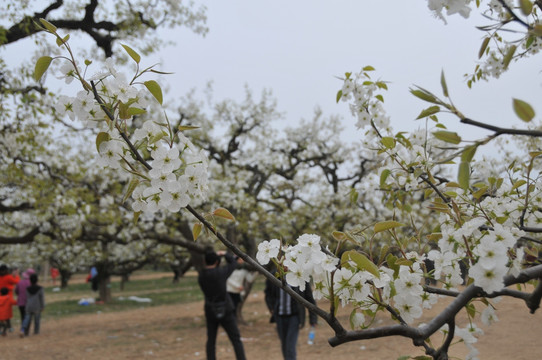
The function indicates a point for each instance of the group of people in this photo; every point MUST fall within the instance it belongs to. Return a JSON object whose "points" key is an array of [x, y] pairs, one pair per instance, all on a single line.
{"points": [[30, 299], [220, 308]]}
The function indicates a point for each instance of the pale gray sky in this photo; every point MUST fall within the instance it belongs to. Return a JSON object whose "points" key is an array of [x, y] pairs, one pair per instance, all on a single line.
{"points": [[296, 48]]}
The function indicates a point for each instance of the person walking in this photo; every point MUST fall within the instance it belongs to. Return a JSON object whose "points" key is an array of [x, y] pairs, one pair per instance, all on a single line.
{"points": [[218, 306], [9, 280], [20, 290], [6, 311], [289, 315], [35, 303]]}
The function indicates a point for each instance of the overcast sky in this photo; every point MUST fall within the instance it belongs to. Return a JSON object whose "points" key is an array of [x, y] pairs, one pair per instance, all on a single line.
{"points": [[296, 48]]}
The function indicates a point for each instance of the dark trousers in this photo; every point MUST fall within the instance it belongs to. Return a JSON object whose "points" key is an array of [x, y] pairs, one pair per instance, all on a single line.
{"points": [[229, 323], [288, 329], [23, 313]]}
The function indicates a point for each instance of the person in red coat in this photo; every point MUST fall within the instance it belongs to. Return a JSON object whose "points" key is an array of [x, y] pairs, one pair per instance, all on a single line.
{"points": [[6, 311], [8, 280]]}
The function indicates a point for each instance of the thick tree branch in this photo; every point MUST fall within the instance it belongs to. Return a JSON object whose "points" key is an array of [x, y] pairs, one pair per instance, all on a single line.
{"points": [[24, 239]]}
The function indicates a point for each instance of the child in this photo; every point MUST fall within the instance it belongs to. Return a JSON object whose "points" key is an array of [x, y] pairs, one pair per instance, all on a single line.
{"points": [[20, 290], [35, 303], [8, 280], [6, 302]]}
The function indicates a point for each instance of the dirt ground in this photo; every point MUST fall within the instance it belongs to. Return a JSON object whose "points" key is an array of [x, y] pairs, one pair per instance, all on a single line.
{"points": [[178, 332]]}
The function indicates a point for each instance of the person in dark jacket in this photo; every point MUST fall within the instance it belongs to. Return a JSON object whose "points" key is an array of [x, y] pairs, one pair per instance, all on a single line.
{"points": [[35, 303], [218, 306], [289, 315]]}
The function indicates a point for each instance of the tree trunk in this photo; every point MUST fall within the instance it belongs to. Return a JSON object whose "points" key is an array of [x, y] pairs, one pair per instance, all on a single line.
{"points": [[123, 280], [104, 287], [64, 278]]}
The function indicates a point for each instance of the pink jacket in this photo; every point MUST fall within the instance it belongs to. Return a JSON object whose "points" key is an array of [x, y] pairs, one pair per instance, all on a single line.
{"points": [[20, 290]]}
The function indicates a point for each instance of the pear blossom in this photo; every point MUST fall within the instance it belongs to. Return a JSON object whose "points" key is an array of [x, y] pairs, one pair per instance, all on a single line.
{"points": [[267, 250]]}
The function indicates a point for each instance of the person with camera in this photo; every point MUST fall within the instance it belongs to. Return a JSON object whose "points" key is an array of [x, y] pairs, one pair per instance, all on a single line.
{"points": [[219, 309]]}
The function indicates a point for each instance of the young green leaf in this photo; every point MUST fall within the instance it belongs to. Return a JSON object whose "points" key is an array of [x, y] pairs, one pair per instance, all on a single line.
{"points": [[155, 90], [133, 54], [100, 138], [443, 84], [509, 55], [223, 213], [41, 66], [187, 127], [429, 111], [388, 142], [448, 136], [523, 110], [196, 230], [361, 261], [339, 95], [61, 41], [425, 95], [468, 153], [483, 48], [50, 27], [526, 7], [463, 177], [131, 187], [338, 235], [386, 225]]}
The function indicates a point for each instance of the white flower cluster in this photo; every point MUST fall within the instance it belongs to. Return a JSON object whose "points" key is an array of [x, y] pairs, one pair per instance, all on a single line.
{"points": [[461, 7], [351, 284], [179, 170], [366, 104]]}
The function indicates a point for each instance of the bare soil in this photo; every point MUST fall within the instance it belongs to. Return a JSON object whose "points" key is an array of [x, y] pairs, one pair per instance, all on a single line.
{"points": [[178, 332]]}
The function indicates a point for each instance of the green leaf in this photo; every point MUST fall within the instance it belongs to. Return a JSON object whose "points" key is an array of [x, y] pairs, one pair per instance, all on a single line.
{"points": [[353, 196], [339, 95], [383, 176], [196, 230], [338, 235], [448, 136], [61, 41], [468, 153], [136, 111], [526, 7], [136, 216], [187, 127], [155, 90], [471, 310], [425, 95], [368, 68], [523, 110], [386, 225], [133, 54], [41, 66], [429, 111], [50, 27], [100, 138], [361, 261], [463, 177], [404, 357], [131, 187], [443, 84], [483, 48], [509, 55], [223, 213], [388, 142], [518, 184]]}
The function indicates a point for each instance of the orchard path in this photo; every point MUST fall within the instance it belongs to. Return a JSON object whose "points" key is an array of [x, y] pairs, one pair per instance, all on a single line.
{"points": [[178, 332]]}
